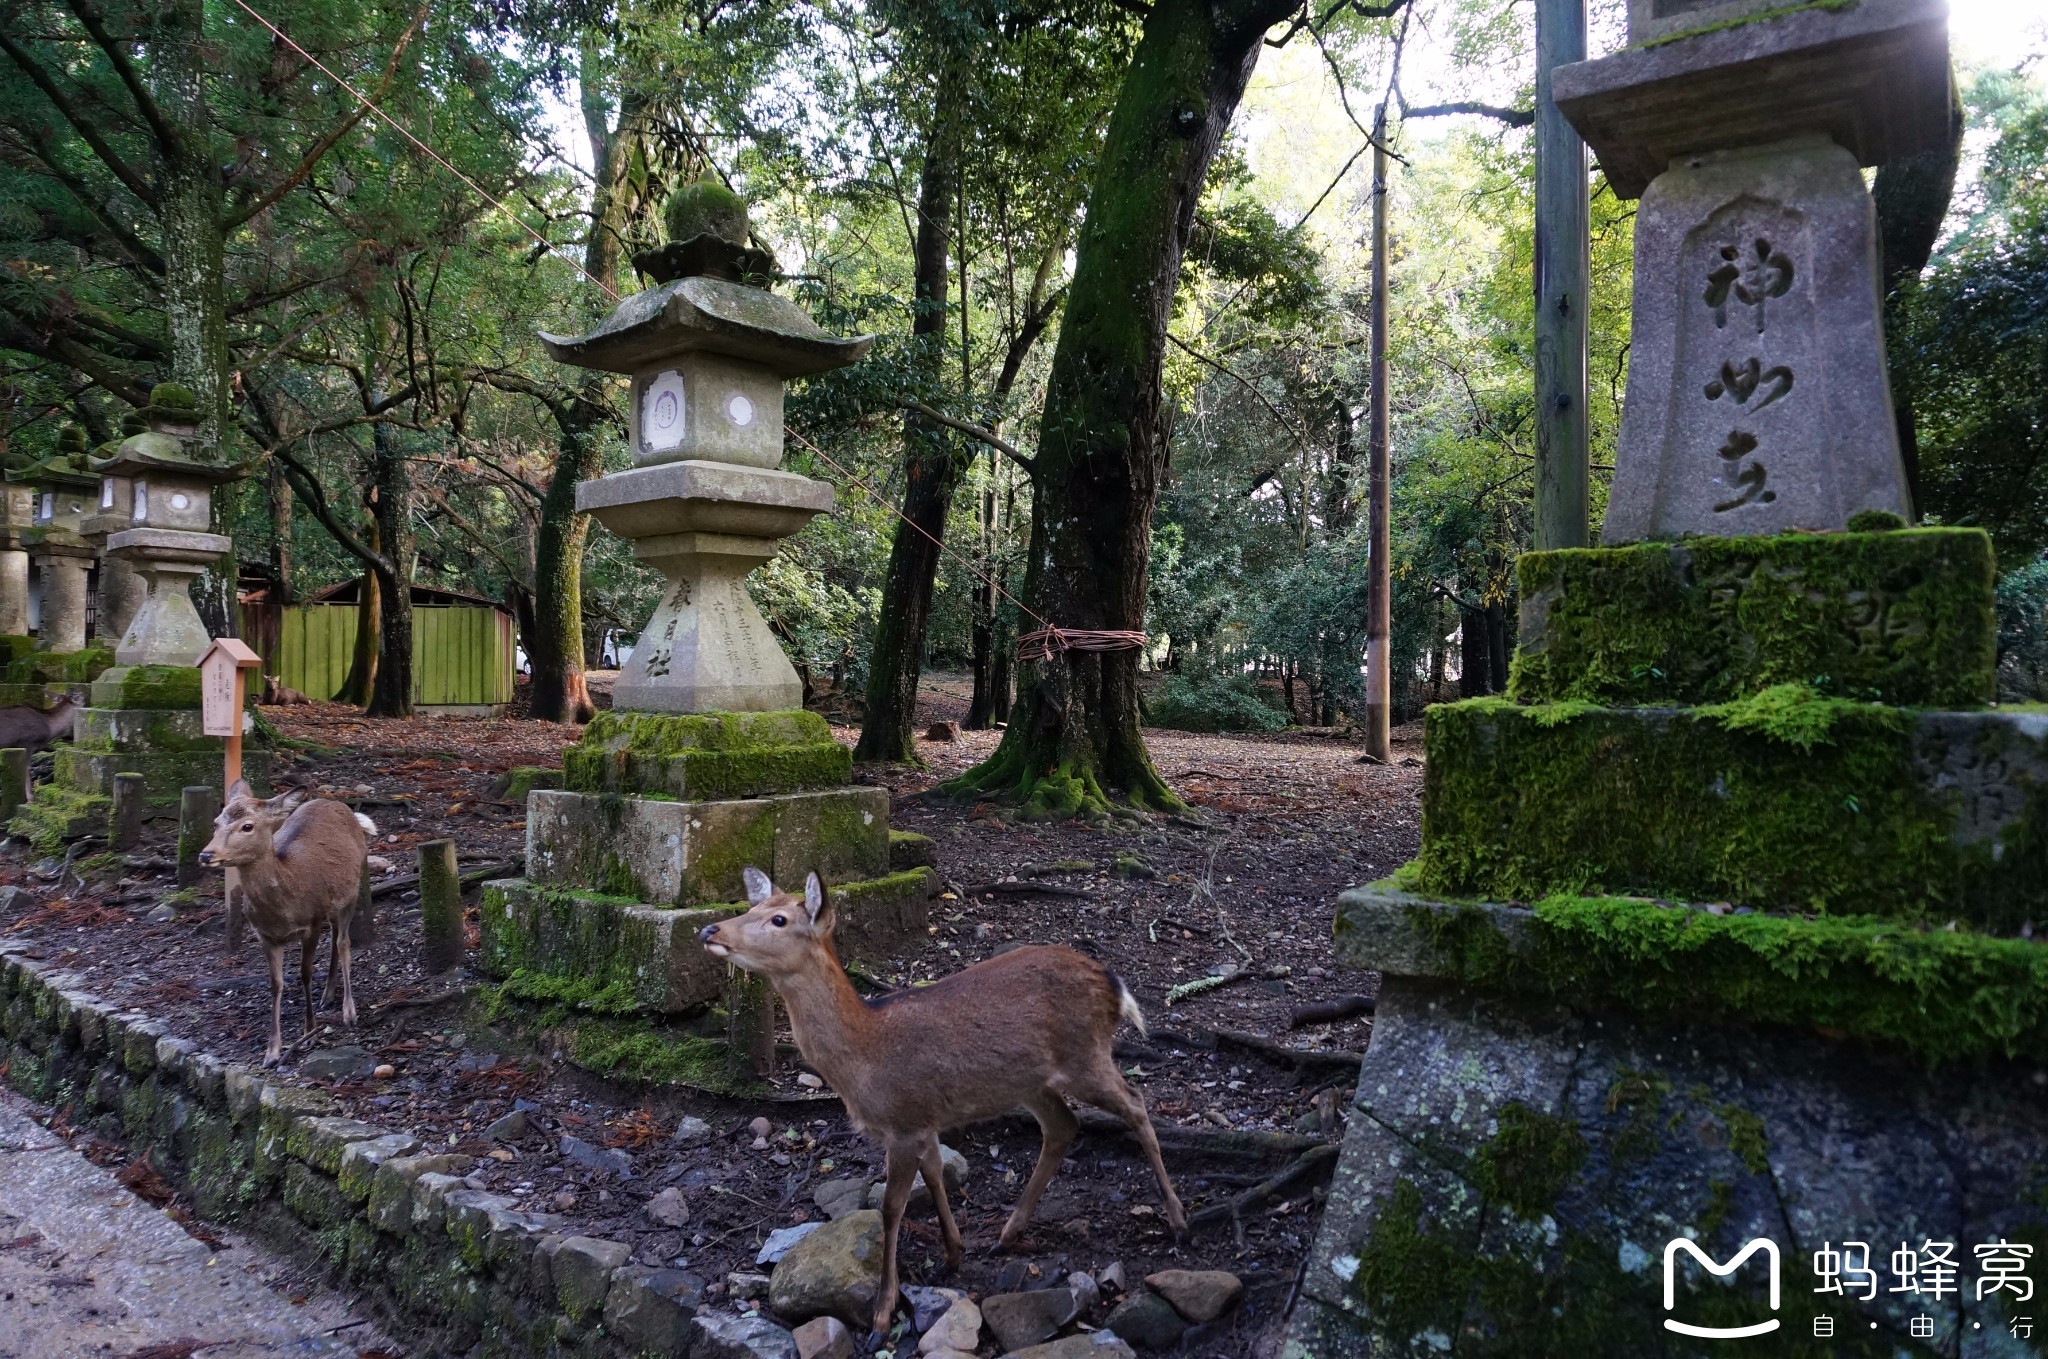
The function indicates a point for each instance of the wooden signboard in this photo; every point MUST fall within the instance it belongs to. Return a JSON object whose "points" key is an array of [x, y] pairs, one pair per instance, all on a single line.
{"points": [[223, 694]]}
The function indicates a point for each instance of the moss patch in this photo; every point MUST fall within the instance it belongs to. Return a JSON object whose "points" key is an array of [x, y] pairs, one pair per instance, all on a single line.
{"points": [[705, 755], [147, 686], [1903, 617], [1937, 996], [1782, 800], [1530, 1160]]}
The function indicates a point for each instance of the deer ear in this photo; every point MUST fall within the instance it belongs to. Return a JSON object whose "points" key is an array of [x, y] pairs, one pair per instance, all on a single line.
{"points": [[241, 789], [759, 889], [816, 903], [289, 800]]}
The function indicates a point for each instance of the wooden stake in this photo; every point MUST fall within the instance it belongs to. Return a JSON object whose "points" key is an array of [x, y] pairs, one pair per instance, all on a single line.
{"points": [[198, 805], [1563, 278], [124, 825], [440, 905], [14, 789]]}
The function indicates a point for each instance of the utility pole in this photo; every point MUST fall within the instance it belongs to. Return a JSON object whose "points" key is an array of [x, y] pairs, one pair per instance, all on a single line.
{"points": [[1563, 270], [1379, 605]]}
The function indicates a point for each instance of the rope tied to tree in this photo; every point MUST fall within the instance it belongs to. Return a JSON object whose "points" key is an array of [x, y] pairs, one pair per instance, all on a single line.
{"points": [[1049, 642]]}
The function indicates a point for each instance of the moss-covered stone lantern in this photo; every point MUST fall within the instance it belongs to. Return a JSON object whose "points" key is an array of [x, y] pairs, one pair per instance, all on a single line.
{"points": [[168, 539], [121, 590], [62, 488], [17, 515]]}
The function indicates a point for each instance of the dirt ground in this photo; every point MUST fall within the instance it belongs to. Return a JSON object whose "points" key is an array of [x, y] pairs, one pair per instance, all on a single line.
{"points": [[1291, 820]]}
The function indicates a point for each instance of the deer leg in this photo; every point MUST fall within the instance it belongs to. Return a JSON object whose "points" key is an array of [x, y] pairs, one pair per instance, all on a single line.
{"points": [[1105, 1088], [935, 1180], [901, 1155], [348, 990], [275, 1052], [309, 950], [1057, 1125], [333, 966]]}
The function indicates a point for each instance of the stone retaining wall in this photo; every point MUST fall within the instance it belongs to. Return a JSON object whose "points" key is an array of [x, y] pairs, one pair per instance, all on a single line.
{"points": [[461, 1270]]}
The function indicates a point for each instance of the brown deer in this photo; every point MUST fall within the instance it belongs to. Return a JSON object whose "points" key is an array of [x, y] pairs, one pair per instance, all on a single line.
{"points": [[31, 729], [1021, 1030], [298, 876], [276, 693]]}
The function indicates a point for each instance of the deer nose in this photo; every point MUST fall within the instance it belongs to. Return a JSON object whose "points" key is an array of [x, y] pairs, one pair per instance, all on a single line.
{"points": [[704, 935], [206, 856]]}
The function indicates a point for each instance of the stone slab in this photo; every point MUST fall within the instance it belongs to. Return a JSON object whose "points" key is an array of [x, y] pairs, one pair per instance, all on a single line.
{"points": [[653, 953], [143, 729], [1513, 1172], [164, 773], [1873, 76], [1758, 397], [1905, 617], [702, 756], [691, 853], [1851, 808], [704, 497]]}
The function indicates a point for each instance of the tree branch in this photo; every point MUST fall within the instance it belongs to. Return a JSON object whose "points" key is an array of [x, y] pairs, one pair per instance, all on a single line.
{"points": [[1308, 19], [1234, 376], [972, 431], [96, 24], [1511, 117], [43, 81]]}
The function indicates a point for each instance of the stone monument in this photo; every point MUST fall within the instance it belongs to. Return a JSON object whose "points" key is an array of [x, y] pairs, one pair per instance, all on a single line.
{"points": [[17, 515], [143, 714], [706, 763], [121, 589], [1713, 1006], [61, 488]]}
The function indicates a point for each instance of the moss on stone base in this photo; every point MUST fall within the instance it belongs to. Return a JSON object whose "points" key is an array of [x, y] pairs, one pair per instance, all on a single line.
{"points": [[147, 686], [1902, 618], [1935, 995], [56, 814], [705, 755], [1785, 800]]}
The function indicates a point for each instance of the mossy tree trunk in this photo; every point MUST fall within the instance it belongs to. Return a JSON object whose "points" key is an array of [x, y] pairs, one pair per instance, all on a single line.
{"points": [[1912, 196], [1073, 743], [391, 692], [933, 465]]}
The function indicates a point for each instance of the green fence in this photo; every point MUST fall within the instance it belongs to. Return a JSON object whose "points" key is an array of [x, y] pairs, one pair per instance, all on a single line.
{"points": [[459, 655]]}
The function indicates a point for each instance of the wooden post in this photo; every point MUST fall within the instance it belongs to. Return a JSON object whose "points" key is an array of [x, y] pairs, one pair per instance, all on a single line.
{"points": [[1379, 538], [14, 789], [362, 923], [198, 805], [124, 824], [224, 696], [749, 1027], [440, 905], [1563, 278]]}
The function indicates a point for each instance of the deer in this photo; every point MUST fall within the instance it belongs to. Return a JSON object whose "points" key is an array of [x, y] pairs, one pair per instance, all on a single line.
{"points": [[300, 863], [1025, 1029], [31, 729], [276, 693]]}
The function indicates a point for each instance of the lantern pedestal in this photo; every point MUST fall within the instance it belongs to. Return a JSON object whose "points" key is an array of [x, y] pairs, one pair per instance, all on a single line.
{"points": [[13, 590], [165, 629], [67, 570]]}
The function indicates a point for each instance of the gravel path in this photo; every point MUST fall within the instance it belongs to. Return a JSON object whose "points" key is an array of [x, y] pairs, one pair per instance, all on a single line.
{"points": [[89, 1269]]}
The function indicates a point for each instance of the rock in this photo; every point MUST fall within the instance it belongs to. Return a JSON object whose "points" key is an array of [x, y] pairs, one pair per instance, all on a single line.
{"points": [[1148, 1321], [604, 1160], [745, 1286], [720, 1335], [824, 1338], [837, 1198], [649, 1309], [1133, 866], [782, 1241], [336, 1064], [952, 1168], [1111, 1276], [1021, 1319], [958, 1329], [1086, 1293], [15, 899], [510, 1128], [835, 1270], [384, 1071], [810, 1080], [582, 1267], [1012, 1277], [162, 914], [1197, 1294], [692, 1132], [760, 1127], [1087, 1345], [564, 1200], [928, 1304], [669, 1208]]}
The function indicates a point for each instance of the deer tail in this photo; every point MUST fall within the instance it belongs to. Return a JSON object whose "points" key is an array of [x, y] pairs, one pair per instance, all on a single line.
{"points": [[1127, 1004], [369, 826]]}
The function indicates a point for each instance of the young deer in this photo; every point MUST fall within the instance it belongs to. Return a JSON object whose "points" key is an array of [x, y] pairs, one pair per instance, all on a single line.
{"points": [[300, 863], [1021, 1030]]}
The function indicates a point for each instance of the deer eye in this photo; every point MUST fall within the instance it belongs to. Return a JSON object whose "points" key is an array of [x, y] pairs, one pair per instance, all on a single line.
{"points": [[248, 825], [778, 921]]}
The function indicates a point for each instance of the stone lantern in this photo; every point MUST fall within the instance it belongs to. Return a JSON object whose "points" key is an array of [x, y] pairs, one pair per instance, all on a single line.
{"points": [[706, 500], [121, 589], [168, 538], [17, 516], [61, 488]]}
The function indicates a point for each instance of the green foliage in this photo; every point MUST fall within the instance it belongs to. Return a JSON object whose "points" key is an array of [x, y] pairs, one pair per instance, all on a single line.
{"points": [[1796, 714], [1210, 702], [2023, 635]]}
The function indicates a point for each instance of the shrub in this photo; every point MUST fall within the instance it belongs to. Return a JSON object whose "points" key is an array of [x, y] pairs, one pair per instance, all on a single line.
{"points": [[1211, 703], [2023, 635]]}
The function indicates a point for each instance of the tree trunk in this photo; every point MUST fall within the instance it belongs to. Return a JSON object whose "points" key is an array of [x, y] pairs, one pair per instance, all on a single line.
{"points": [[932, 468], [362, 670], [1074, 743], [1475, 654], [1912, 196], [280, 535], [391, 695]]}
